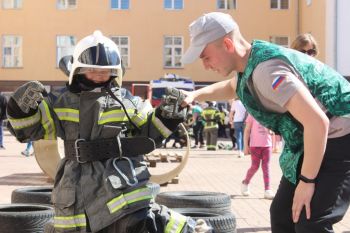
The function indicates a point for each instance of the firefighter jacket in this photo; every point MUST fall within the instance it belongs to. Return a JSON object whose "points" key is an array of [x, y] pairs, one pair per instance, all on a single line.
{"points": [[211, 115], [93, 190]]}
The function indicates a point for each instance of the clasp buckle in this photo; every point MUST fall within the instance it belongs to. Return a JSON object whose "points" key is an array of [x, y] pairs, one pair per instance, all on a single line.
{"points": [[76, 147]]}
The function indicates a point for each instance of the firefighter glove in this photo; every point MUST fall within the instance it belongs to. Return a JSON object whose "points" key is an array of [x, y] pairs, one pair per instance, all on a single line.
{"points": [[170, 106], [29, 95]]}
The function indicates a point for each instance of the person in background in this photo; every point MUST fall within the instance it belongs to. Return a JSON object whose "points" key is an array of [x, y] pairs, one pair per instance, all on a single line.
{"points": [[222, 128], [305, 43], [197, 125], [29, 146], [232, 129], [239, 115], [211, 117], [3, 104], [257, 141], [279, 88]]}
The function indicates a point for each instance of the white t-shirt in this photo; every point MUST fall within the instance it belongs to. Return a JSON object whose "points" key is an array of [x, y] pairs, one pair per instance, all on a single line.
{"points": [[275, 82], [239, 111]]}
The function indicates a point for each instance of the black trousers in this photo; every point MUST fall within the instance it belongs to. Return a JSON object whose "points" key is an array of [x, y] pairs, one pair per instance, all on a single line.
{"points": [[331, 198], [198, 133]]}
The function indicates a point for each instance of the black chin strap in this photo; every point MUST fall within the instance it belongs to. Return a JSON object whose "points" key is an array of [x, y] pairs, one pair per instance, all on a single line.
{"points": [[124, 109]]}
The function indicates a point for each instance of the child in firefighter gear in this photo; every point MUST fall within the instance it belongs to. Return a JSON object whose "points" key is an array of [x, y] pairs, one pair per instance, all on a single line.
{"points": [[211, 116], [100, 185]]}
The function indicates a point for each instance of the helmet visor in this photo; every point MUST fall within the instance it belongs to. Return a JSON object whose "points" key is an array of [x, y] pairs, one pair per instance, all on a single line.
{"points": [[100, 55]]}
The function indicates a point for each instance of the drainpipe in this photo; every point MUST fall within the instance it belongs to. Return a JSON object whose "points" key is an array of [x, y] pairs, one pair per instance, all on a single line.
{"points": [[336, 35], [297, 16]]}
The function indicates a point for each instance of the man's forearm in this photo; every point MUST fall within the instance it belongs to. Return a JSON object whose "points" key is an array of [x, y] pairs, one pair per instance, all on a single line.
{"points": [[223, 90], [314, 148]]}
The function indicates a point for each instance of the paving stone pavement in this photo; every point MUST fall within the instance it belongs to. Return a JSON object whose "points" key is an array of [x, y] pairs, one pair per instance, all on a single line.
{"points": [[218, 171]]}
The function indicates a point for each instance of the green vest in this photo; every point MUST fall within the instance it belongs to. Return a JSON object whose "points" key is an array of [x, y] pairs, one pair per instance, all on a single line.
{"points": [[325, 84]]}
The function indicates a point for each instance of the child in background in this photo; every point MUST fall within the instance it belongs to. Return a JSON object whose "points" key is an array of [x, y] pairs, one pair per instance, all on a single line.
{"points": [[260, 146]]}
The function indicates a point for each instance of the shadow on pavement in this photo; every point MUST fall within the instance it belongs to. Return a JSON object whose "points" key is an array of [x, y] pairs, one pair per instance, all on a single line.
{"points": [[253, 229], [25, 179]]}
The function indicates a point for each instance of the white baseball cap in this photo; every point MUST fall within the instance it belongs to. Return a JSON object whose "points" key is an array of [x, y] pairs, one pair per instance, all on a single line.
{"points": [[207, 28]]}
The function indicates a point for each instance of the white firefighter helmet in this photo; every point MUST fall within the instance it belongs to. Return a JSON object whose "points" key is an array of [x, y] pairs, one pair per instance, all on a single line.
{"points": [[97, 51]]}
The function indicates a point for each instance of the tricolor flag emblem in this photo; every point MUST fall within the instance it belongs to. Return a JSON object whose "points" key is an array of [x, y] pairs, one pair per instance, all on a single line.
{"points": [[277, 82]]}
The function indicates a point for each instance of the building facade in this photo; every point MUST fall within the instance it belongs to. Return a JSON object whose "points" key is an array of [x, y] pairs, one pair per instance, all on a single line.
{"points": [[152, 34]]}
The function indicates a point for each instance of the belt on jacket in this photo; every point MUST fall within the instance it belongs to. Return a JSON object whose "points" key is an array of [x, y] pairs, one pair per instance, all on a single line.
{"points": [[83, 151]]}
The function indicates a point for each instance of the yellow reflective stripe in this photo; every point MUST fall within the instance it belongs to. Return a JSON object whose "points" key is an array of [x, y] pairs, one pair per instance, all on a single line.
{"points": [[124, 199], [67, 114], [114, 115], [141, 118], [160, 126], [47, 121], [25, 122], [70, 221], [176, 223]]}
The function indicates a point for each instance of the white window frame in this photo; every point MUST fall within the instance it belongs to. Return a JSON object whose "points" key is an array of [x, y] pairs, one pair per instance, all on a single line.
{"points": [[15, 58], [226, 5], [66, 4], [279, 5], [173, 5], [119, 5], [12, 4], [124, 56], [173, 56], [63, 48], [274, 39]]}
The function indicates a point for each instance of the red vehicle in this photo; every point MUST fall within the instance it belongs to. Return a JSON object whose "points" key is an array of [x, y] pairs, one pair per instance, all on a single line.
{"points": [[156, 88]]}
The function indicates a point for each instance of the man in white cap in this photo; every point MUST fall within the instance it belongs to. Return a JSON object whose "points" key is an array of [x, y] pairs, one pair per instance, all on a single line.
{"points": [[278, 87]]}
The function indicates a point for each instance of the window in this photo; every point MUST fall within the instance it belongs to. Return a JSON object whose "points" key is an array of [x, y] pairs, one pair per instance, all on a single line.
{"points": [[173, 47], [12, 4], [66, 4], [65, 46], [12, 51], [226, 4], [280, 40], [124, 48], [173, 4], [120, 4], [279, 4]]}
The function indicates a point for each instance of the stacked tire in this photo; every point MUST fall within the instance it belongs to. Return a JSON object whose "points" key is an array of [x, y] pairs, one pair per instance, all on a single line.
{"points": [[213, 207], [34, 195], [24, 218]]}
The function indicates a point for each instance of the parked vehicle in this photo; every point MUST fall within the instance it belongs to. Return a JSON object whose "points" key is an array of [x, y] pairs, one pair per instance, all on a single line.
{"points": [[156, 88]]}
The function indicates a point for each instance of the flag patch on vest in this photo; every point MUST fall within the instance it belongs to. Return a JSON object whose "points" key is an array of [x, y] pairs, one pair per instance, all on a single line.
{"points": [[277, 82]]}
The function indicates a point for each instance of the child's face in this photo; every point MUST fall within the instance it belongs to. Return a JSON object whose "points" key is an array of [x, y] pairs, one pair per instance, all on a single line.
{"points": [[97, 75]]}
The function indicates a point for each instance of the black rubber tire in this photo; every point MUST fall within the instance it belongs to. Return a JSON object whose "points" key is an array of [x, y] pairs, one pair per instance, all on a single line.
{"points": [[154, 187], [220, 222], [195, 199], [35, 195], [24, 218]]}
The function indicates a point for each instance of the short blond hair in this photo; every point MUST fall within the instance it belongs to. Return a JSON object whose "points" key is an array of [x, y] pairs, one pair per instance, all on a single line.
{"points": [[303, 40]]}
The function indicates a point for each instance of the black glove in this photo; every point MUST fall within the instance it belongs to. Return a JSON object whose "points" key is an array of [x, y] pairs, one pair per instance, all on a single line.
{"points": [[29, 95], [170, 106]]}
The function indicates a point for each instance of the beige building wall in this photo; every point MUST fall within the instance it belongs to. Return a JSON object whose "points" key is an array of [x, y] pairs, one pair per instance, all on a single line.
{"points": [[145, 23], [313, 20]]}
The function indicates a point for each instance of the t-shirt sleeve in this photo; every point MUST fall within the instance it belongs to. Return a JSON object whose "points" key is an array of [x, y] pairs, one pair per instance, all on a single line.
{"points": [[276, 81]]}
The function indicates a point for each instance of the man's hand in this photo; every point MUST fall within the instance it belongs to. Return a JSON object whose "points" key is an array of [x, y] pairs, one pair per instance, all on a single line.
{"points": [[189, 98], [29, 95], [171, 104], [302, 198]]}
